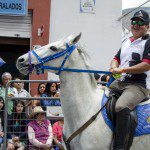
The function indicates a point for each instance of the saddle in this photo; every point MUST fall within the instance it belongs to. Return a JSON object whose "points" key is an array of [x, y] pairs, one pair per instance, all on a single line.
{"points": [[139, 123]]}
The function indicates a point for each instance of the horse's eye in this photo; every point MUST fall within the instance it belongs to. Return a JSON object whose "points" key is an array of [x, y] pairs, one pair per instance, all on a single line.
{"points": [[53, 48]]}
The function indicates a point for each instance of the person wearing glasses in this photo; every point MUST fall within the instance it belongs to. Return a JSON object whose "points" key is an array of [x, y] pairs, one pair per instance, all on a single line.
{"points": [[133, 62]]}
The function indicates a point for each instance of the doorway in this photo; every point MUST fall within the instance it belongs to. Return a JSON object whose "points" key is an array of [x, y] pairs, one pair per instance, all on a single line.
{"points": [[10, 50]]}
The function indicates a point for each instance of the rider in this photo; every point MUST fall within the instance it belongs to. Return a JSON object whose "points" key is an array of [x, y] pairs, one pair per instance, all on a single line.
{"points": [[133, 62]]}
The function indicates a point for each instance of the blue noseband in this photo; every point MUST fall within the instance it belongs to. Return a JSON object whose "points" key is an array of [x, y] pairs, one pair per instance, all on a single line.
{"points": [[40, 67]]}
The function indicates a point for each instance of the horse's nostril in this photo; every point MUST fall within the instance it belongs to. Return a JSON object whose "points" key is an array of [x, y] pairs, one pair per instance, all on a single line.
{"points": [[21, 60], [53, 48]]}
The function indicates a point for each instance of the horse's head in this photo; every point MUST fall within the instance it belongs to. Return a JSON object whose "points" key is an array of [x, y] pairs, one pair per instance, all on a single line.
{"points": [[42, 56]]}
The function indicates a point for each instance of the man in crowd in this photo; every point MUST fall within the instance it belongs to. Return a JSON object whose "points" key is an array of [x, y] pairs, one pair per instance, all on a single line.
{"points": [[12, 92], [22, 92]]}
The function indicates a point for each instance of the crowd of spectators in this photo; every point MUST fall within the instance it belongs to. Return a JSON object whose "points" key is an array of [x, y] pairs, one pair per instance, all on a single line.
{"points": [[28, 125]]}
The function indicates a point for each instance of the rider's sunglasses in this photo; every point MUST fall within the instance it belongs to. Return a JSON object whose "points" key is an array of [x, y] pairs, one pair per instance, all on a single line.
{"points": [[139, 22]]}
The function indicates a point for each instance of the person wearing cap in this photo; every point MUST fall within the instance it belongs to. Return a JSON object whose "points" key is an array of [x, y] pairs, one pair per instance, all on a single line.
{"points": [[133, 62], [12, 92], [39, 130]]}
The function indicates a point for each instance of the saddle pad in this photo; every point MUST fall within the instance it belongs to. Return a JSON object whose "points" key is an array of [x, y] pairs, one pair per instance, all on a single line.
{"points": [[143, 114]]}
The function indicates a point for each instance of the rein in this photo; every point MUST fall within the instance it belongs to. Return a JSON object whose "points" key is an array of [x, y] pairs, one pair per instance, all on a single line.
{"points": [[40, 67], [82, 128]]}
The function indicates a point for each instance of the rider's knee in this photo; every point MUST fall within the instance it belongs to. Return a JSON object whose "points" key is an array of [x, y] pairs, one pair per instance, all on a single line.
{"points": [[119, 107]]}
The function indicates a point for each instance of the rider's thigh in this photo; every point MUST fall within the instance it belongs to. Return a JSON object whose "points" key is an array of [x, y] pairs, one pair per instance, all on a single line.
{"points": [[132, 96]]}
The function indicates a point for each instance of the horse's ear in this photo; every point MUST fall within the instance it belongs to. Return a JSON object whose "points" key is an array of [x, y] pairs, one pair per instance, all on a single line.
{"points": [[76, 39]]}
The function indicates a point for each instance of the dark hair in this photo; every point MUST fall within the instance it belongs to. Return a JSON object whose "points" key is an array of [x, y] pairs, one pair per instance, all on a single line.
{"points": [[17, 77], [38, 90], [2, 111], [15, 114], [96, 76], [17, 118], [104, 78], [49, 84], [14, 78], [1, 99]]}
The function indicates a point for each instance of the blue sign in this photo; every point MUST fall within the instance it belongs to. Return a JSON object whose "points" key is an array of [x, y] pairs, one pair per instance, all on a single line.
{"points": [[13, 7]]}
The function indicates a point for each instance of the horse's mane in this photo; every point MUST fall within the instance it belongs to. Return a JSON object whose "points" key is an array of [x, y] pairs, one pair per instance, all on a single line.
{"points": [[85, 57], [81, 50]]}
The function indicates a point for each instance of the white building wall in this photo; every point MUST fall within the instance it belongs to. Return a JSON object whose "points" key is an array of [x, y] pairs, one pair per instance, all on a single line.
{"points": [[101, 32]]}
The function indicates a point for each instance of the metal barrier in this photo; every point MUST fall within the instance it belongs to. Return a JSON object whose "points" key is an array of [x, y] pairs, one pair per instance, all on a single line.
{"points": [[26, 98], [23, 98]]}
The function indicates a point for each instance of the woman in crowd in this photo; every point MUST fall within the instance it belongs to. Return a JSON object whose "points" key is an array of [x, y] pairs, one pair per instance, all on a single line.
{"points": [[17, 127], [40, 93], [51, 91], [57, 132], [1, 119], [105, 78], [39, 131]]}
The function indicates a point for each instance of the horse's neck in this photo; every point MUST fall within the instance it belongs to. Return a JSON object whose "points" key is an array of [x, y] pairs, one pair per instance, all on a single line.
{"points": [[78, 96]]}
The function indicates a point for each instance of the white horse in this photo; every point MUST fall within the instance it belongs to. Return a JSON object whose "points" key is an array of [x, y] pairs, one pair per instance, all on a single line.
{"points": [[79, 96]]}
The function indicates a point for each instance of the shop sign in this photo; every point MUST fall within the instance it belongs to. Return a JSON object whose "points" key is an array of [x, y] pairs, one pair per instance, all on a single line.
{"points": [[13, 7]]}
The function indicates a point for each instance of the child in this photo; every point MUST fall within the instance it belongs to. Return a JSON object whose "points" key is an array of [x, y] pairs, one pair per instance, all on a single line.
{"points": [[17, 127]]}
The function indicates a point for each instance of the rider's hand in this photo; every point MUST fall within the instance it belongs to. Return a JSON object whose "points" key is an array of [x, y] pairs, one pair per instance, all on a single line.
{"points": [[117, 70]]}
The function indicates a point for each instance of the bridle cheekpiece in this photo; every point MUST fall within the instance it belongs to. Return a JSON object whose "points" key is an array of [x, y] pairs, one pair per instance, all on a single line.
{"points": [[40, 66]]}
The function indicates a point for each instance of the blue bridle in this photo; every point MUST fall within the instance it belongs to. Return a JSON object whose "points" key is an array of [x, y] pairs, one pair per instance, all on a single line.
{"points": [[69, 49]]}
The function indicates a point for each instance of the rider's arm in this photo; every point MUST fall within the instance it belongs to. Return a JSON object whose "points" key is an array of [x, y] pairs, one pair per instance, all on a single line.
{"points": [[116, 61], [143, 66], [145, 63], [114, 64], [139, 68]]}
